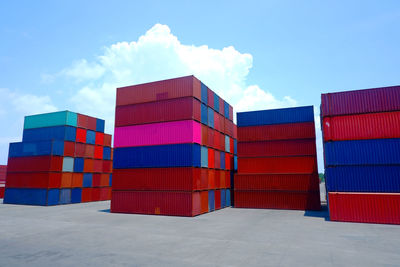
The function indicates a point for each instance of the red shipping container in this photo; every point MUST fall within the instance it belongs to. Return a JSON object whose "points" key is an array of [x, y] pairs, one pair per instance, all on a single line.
{"points": [[2, 190], [86, 194], [211, 179], [221, 106], [231, 145], [107, 139], [98, 166], [99, 138], [80, 150], [283, 182], [92, 123], [69, 149], [365, 207], [227, 179], [3, 173], [361, 101], [204, 179], [229, 128], [210, 98], [66, 180], [364, 126], [211, 160], [230, 113], [228, 161], [221, 123], [277, 200], [34, 180], [96, 179], [187, 108], [88, 165], [204, 201], [235, 132], [105, 179], [105, 193], [299, 165], [217, 159], [216, 122], [217, 179], [210, 137], [77, 180], [296, 147], [98, 152], [107, 166], [217, 140], [89, 151], [217, 195], [83, 121], [156, 203], [204, 135], [96, 194], [303, 130], [80, 135], [159, 179], [159, 90], [35, 164]]}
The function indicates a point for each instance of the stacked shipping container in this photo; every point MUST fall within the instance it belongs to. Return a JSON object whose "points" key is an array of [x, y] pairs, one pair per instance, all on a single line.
{"points": [[277, 164], [173, 149], [64, 158], [362, 154], [3, 170]]}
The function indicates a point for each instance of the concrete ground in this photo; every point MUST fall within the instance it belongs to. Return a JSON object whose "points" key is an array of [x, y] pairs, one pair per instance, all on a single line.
{"points": [[88, 235]]}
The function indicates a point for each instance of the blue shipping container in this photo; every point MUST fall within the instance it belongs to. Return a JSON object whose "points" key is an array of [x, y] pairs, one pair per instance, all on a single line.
{"points": [[204, 93], [76, 195], [228, 197], [226, 110], [179, 155], [235, 146], [204, 115], [223, 198], [65, 196], [211, 200], [110, 179], [99, 125], [362, 152], [210, 118], [87, 179], [31, 196], [107, 153], [383, 179], [39, 148], [216, 102], [78, 164], [235, 163], [222, 159], [66, 133], [90, 137], [204, 157], [275, 116]]}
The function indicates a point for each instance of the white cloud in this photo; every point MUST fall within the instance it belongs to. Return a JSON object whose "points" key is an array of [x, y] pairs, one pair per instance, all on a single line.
{"points": [[82, 70]]}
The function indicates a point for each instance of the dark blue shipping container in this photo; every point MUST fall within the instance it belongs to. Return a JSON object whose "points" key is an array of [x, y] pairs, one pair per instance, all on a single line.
{"points": [[234, 146], [362, 152], [39, 148], [76, 195], [275, 116], [210, 118], [90, 137], [222, 159], [235, 163], [223, 198], [31, 196], [107, 153], [66, 133], [179, 155], [226, 110], [211, 200], [383, 179], [65, 196], [110, 179], [87, 179], [216, 102], [228, 197], [204, 115], [204, 93], [78, 164], [99, 125]]}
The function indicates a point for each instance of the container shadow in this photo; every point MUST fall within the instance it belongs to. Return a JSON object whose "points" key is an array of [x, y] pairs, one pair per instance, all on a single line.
{"points": [[323, 213], [106, 210]]}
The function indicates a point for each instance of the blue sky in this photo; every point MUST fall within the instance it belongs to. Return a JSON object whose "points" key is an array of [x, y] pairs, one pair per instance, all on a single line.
{"points": [[57, 55]]}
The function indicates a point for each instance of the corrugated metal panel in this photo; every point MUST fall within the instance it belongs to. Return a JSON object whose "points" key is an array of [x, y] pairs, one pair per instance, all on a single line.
{"points": [[282, 182], [364, 126], [107, 140], [217, 199], [211, 179], [217, 139], [217, 122], [51, 119], [226, 110], [211, 200], [107, 166], [100, 125], [35, 164], [227, 144], [40, 148], [299, 165], [157, 179], [30, 196], [86, 194], [181, 155], [187, 108], [210, 98], [68, 164], [96, 179], [87, 179], [362, 152], [34, 180], [361, 101], [210, 137], [66, 133], [210, 117], [160, 90], [204, 134], [222, 160], [298, 147], [235, 146], [277, 200], [217, 159], [363, 179], [76, 195], [98, 152], [83, 121], [204, 92], [204, 114], [217, 179], [364, 207], [216, 102], [69, 149], [276, 116], [90, 137], [80, 150], [221, 107], [223, 198], [176, 132], [204, 201], [235, 163], [230, 113], [155, 203], [99, 139], [78, 164], [228, 197], [276, 132], [107, 153], [65, 196], [66, 179], [77, 180], [89, 151], [204, 157]]}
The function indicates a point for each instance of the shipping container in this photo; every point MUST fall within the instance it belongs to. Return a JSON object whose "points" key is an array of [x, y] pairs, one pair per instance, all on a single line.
{"points": [[156, 203], [86, 194], [217, 199], [31, 196], [98, 152], [107, 140], [210, 98], [216, 103], [68, 164], [204, 93], [295, 147], [228, 197], [280, 165], [160, 90], [361, 101], [66, 180], [210, 118], [363, 126], [90, 137], [210, 137], [100, 124], [76, 195], [80, 150], [89, 151], [180, 155], [362, 152], [304, 130], [35, 164], [80, 135], [204, 202], [39, 148], [204, 114], [363, 179], [33, 180], [107, 153], [187, 108], [99, 139], [177, 132], [364, 207], [65, 196], [66, 133], [77, 180], [51, 119], [211, 200], [211, 159], [277, 200], [226, 110], [69, 149], [204, 157]]}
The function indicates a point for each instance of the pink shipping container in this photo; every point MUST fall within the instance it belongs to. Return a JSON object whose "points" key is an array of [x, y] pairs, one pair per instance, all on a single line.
{"points": [[177, 132]]}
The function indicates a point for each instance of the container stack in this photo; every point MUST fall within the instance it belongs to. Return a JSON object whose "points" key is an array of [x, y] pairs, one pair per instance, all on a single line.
{"points": [[64, 158], [277, 164], [361, 131], [173, 149], [3, 171]]}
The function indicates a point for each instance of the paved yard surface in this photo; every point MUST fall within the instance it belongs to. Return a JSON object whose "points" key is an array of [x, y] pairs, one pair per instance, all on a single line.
{"points": [[88, 235]]}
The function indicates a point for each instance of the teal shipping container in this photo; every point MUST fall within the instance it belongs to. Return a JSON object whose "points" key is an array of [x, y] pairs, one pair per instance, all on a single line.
{"points": [[51, 119]]}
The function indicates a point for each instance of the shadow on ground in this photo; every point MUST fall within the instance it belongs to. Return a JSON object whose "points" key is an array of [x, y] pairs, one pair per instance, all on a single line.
{"points": [[106, 210], [323, 213]]}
